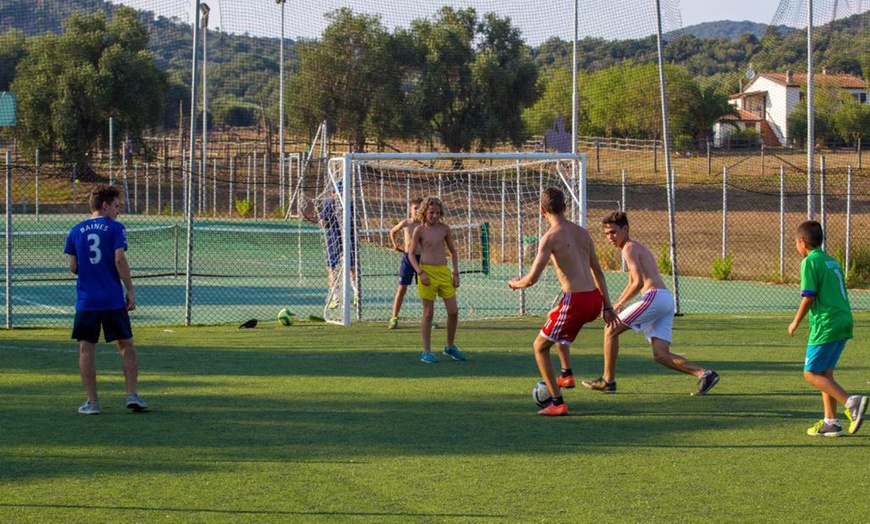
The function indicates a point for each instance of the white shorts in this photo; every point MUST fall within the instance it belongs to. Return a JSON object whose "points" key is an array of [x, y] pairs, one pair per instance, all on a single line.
{"points": [[652, 315]]}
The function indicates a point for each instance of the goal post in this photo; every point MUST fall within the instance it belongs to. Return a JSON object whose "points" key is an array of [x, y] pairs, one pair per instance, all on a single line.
{"points": [[491, 202]]}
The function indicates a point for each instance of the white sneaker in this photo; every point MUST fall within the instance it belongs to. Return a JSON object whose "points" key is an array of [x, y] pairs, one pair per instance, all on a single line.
{"points": [[90, 408], [855, 412], [135, 403]]}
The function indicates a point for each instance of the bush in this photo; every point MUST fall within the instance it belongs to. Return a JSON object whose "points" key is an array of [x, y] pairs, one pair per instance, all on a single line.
{"points": [[665, 261], [722, 268], [608, 258], [243, 207], [685, 143], [858, 274]]}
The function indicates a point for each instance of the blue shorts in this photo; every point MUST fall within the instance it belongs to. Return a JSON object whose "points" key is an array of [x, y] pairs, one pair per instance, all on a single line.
{"points": [[822, 357], [115, 324], [406, 270], [334, 247]]}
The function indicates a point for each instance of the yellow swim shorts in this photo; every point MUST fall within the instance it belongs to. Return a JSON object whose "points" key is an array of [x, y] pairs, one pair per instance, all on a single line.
{"points": [[440, 283]]}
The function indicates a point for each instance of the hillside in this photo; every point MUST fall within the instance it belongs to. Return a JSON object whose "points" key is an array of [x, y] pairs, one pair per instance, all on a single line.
{"points": [[726, 29]]}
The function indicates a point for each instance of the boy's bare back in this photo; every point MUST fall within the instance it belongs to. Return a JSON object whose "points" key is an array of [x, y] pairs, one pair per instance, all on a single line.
{"points": [[570, 247]]}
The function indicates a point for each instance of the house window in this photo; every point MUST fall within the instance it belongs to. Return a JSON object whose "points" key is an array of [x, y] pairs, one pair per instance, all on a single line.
{"points": [[861, 97], [801, 97]]}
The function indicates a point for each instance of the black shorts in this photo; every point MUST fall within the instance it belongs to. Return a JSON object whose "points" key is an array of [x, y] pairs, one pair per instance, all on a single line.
{"points": [[115, 324]]}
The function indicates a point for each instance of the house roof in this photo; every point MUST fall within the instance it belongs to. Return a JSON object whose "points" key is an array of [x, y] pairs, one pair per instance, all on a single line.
{"points": [[746, 95], [743, 116], [839, 80]]}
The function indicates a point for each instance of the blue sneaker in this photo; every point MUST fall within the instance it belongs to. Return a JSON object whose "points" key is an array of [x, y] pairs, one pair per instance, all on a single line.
{"points": [[429, 358], [454, 353]]}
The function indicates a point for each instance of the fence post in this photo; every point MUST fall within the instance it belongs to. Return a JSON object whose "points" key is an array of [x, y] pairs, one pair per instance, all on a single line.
{"points": [[623, 206], [214, 187], [822, 165], [136, 188], [709, 159], [232, 179], [724, 212], [782, 223], [147, 191], [848, 255], [468, 207], [8, 239], [520, 246], [36, 196], [503, 229]]}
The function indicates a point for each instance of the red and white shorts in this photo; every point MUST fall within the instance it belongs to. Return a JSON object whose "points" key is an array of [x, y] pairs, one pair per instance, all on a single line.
{"points": [[574, 310], [652, 315]]}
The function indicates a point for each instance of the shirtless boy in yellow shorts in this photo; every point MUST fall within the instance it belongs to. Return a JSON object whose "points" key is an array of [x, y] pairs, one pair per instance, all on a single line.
{"points": [[434, 277]]}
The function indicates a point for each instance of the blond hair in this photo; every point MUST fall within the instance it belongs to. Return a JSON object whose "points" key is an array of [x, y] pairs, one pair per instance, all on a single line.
{"points": [[427, 203]]}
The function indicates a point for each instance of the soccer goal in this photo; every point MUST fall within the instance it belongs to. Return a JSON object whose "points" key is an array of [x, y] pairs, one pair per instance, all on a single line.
{"points": [[491, 202]]}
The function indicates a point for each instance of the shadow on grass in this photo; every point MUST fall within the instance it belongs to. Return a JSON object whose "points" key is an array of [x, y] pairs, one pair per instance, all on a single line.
{"points": [[276, 513]]}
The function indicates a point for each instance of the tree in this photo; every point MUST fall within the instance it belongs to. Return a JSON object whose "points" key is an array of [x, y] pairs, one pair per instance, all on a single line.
{"points": [[852, 120], [351, 79], [69, 85], [444, 92], [625, 101], [476, 79], [709, 106], [555, 101], [506, 81]]}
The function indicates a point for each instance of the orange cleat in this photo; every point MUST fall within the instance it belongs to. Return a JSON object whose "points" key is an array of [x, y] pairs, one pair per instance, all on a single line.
{"points": [[554, 411], [566, 382]]}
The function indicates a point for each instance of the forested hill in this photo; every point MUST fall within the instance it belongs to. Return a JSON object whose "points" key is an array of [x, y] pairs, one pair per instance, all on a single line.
{"points": [[726, 29], [705, 50]]}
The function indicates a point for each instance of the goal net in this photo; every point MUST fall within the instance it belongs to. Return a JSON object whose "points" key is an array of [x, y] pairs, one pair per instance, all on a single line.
{"points": [[491, 203]]}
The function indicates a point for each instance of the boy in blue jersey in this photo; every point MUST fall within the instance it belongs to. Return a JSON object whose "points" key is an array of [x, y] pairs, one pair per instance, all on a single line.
{"points": [[96, 249], [824, 297]]}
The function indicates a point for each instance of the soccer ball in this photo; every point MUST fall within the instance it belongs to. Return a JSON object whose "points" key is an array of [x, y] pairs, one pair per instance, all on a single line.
{"points": [[286, 318], [541, 394]]}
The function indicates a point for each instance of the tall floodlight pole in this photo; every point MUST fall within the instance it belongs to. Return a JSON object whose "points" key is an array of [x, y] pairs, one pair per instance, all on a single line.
{"points": [[281, 102], [667, 152], [575, 110], [203, 7], [191, 163], [811, 116], [575, 97]]}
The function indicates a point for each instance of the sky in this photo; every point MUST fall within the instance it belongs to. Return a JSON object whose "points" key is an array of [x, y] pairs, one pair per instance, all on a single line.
{"points": [[698, 11], [538, 19]]}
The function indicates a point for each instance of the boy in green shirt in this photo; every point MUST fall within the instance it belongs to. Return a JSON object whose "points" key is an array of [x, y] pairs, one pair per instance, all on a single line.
{"points": [[823, 292]]}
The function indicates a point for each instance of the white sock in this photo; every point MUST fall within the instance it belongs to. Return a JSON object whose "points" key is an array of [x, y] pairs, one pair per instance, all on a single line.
{"points": [[852, 401], [832, 421]]}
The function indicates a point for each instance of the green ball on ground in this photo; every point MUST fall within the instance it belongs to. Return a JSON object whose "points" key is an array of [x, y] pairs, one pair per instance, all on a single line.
{"points": [[286, 318]]}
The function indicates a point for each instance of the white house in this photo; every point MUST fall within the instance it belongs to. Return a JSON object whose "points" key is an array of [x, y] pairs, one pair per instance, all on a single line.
{"points": [[766, 102]]}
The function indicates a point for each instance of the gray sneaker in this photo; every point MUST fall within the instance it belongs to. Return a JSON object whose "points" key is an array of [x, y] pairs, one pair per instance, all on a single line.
{"points": [[599, 384], [855, 414], [706, 383], [454, 353], [135, 403], [90, 408], [820, 429]]}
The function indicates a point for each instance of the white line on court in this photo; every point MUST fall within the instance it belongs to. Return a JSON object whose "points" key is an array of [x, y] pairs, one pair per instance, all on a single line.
{"points": [[32, 303]]}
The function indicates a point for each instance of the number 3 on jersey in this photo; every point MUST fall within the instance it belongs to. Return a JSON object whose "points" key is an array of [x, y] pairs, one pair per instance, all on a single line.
{"points": [[94, 247]]}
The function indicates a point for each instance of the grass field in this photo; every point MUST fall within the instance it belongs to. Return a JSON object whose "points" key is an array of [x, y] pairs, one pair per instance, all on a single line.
{"points": [[316, 423]]}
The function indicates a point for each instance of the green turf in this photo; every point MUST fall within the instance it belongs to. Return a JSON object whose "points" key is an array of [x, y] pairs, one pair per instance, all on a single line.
{"points": [[316, 423]]}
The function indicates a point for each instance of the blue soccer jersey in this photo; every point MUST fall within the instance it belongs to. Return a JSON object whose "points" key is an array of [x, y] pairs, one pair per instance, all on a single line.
{"points": [[93, 242]]}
